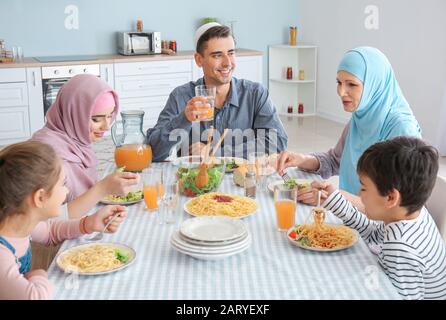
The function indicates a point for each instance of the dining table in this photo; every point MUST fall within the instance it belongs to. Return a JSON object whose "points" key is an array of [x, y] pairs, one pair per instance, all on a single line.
{"points": [[271, 268]]}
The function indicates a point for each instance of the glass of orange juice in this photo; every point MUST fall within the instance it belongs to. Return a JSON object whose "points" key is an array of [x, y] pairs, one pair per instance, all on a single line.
{"points": [[285, 203], [153, 189], [209, 92]]}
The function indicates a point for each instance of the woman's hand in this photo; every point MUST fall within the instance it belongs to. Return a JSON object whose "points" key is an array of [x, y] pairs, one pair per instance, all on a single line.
{"points": [[309, 195], [288, 159], [98, 220], [194, 110], [120, 183]]}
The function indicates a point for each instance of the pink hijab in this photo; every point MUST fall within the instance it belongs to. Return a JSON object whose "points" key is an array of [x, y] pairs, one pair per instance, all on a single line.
{"points": [[67, 129]]}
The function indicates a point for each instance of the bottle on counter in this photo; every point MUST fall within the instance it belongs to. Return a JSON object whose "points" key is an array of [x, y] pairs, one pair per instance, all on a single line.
{"points": [[164, 44], [301, 74], [250, 184], [139, 25], [173, 45], [300, 109], [290, 109]]}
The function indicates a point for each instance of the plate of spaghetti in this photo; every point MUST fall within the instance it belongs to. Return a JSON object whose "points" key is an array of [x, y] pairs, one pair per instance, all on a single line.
{"points": [[96, 258], [220, 204], [320, 236]]}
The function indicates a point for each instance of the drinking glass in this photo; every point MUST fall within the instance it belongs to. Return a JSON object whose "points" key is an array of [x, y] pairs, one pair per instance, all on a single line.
{"points": [[209, 92], [153, 187], [169, 202], [259, 161], [285, 203]]}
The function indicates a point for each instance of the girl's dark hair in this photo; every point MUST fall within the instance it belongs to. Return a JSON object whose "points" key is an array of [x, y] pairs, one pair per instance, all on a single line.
{"points": [[214, 32], [406, 164], [25, 167]]}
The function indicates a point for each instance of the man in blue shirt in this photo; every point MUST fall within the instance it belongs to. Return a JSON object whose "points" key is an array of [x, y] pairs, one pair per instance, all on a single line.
{"points": [[240, 105]]}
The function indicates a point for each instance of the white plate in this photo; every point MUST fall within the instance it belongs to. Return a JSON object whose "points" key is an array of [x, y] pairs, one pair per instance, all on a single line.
{"points": [[122, 247], [216, 215], [211, 243], [122, 203], [213, 228], [179, 242], [208, 256], [106, 201], [294, 242], [281, 183]]}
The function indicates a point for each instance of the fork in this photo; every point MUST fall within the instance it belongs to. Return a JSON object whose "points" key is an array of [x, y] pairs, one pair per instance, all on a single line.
{"points": [[100, 235], [286, 177]]}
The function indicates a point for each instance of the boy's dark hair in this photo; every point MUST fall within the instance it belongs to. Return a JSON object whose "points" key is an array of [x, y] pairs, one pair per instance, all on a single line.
{"points": [[214, 32], [406, 164], [25, 167]]}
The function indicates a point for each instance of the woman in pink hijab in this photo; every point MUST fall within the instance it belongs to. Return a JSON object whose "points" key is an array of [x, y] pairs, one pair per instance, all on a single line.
{"points": [[83, 111]]}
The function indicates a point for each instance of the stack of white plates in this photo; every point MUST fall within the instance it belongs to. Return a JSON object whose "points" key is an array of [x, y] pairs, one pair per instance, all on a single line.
{"points": [[211, 238]]}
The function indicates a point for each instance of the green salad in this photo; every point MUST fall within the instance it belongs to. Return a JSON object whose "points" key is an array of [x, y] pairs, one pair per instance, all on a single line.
{"points": [[131, 196], [187, 178], [291, 183]]}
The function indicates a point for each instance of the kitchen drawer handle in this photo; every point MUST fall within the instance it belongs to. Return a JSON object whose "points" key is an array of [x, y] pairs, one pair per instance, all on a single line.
{"points": [[153, 67]]}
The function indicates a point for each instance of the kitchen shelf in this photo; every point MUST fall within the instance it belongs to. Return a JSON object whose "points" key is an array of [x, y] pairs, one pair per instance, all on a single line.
{"points": [[292, 81], [286, 92], [297, 115]]}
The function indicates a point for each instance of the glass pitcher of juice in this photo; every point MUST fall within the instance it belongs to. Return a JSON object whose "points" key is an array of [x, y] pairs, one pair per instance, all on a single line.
{"points": [[131, 150]]}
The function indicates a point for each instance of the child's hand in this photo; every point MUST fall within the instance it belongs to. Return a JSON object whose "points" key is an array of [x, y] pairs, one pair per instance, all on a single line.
{"points": [[35, 273], [98, 220]]}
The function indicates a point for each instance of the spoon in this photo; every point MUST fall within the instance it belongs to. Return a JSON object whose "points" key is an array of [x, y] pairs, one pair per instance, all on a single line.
{"points": [[100, 235]]}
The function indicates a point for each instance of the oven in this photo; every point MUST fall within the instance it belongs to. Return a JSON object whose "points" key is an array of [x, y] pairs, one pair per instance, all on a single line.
{"points": [[53, 78]]}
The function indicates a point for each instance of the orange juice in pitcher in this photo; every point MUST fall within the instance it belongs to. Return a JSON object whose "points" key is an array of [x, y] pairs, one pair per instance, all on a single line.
{"points": [[134, 157], [131, 151]]}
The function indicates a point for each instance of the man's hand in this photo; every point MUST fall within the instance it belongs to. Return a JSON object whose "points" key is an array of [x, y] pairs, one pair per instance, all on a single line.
{"points": [[194, 110]]}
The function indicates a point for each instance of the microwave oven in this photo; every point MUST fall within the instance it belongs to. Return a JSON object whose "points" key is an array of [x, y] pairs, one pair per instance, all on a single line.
{"points": [[134, 43]]}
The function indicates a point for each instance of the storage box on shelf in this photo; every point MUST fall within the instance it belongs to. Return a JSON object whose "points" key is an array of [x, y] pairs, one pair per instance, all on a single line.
{"points": [[297, 90], [146, 85]]}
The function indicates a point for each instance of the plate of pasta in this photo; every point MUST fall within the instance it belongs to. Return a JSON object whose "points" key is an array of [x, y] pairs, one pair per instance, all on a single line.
{"points": [[330, 237], [96, 258], [321, 236], [221, 204]]}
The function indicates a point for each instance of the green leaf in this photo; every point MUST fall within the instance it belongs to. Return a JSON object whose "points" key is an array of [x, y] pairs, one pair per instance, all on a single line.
{"points": [[122, 256]]}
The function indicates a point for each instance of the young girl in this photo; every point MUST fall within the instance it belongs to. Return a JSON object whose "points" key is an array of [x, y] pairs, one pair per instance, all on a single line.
{"points": [[32, 190], [83, 111]]}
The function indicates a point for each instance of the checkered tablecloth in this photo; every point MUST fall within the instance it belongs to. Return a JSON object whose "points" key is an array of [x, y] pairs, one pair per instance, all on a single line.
{"points": [[271, 268]]}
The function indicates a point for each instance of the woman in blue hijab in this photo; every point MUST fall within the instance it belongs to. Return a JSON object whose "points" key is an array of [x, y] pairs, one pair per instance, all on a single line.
{"points": [[369, 90]]}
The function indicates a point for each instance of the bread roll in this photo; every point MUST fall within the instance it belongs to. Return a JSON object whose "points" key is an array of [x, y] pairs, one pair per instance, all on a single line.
{"points": [[239, 175]]}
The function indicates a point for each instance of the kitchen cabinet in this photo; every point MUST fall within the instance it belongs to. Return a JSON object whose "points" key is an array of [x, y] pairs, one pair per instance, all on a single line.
{"points": [[146, 85], [107, 74], [301, 88], [21, 107], [247, 67]]}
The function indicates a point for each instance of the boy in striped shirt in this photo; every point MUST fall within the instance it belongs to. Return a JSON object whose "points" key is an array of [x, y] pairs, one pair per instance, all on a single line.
{"points": [[397, 177]]}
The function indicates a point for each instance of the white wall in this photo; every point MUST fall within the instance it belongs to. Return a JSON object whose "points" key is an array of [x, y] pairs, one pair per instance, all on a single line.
{"points": [[412, 33]]}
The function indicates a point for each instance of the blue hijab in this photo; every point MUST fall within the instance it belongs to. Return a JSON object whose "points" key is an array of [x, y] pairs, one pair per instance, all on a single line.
{"points": [[383, 112]]}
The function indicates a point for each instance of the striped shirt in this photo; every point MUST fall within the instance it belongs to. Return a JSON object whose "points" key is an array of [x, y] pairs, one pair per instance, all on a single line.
{"points": [[411, 252]]}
